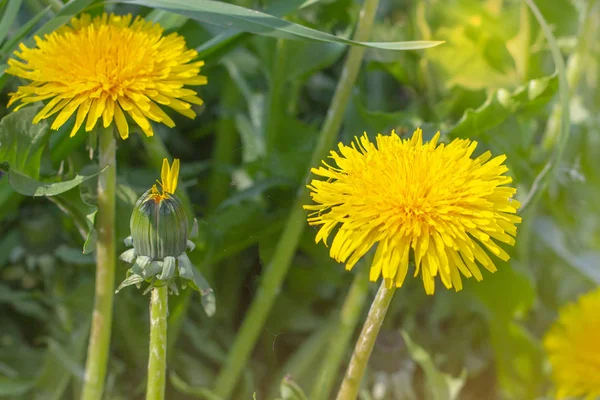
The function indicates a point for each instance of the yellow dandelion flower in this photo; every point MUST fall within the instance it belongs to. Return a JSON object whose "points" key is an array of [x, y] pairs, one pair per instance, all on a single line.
{"points": [[573, 348], [108, 66], [432, 201]]}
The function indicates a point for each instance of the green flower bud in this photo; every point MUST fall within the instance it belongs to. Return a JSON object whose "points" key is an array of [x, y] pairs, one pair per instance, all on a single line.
{"points": [[160, 238], [159, 226]]}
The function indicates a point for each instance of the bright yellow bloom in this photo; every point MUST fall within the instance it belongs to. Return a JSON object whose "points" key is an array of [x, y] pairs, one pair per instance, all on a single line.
{"points": [[169, 177], [573, 347], [106, 67], [432, 201]]}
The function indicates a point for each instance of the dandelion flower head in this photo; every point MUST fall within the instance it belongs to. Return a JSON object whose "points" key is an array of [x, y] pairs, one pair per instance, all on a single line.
{"points": [[431, 201], [108, 66], [573, 348]]}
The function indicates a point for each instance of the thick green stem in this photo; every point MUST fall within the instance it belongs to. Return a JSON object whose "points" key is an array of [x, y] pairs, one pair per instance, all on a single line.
{"points": [[157, 360], [365, 343], [338, 342], [99, 343], [271, 282]]}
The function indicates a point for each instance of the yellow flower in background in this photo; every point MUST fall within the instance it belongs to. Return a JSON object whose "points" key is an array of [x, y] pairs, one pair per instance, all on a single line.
{"points": [[108, 66], [573, 347], [431, 201]]}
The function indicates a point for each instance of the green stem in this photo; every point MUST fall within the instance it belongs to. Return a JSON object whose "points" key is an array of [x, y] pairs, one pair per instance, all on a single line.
{"points": [[365, 343], [270, 284], [276, 105], [157, 361], [99, 343], [224, 147], [574, 69], [338, 342]]}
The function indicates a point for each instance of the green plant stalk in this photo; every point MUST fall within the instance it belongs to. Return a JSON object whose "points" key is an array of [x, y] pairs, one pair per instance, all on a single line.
{"points": [[270, 284], [574, 69], [224, 147], [99, 343], [365, 343], [339, 339], [157, 359], [276, 106]]}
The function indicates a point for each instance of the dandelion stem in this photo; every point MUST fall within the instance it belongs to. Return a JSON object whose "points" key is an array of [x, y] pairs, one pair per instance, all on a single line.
{"points": [[157, 361], [277, 269], [99, 343], [365, 343], [338, 340]]}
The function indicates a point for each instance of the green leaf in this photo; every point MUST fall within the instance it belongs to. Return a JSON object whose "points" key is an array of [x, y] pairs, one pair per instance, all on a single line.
{"points": [[518, 358], [441, 385], [501, 104], [290, 390], [8, 18], [183, 387], [306, 58], [81, 212], [65, 14], [8, 241], [14, 387], [247, 20], [62, 362], [31, 187], [586, 263], [22, 142], [8, 46]]}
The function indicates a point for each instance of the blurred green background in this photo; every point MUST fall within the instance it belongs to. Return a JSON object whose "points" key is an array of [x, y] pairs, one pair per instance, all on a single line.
{"points": [[246, 156]]}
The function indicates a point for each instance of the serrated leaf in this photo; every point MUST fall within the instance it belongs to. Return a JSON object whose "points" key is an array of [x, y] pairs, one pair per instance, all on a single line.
{"points": [[248, 20], [501, 104]]}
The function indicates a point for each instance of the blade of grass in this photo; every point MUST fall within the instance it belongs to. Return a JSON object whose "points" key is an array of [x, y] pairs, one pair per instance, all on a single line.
{"points": [[257, 22], [8, 18]]}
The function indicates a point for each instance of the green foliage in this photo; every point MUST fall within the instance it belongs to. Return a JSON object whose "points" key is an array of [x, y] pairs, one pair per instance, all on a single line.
{"points": [[496, 78], [440, 385]]}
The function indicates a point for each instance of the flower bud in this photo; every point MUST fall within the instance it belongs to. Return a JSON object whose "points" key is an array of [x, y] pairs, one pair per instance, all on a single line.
{"points": [[160, 238], [159, 226]]}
